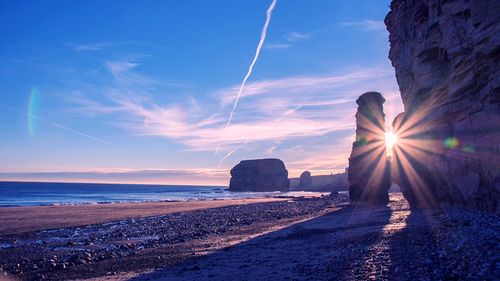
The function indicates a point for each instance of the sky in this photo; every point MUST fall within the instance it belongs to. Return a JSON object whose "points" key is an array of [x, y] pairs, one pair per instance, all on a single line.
{"points": [[151, 91]]}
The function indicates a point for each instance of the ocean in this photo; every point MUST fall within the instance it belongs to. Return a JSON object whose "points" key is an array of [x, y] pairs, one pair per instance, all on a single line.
{"points": [[49, 193]]}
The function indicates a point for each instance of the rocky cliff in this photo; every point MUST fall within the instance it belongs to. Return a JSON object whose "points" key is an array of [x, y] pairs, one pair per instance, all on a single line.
{"points": [[369, 171], [409, 171], [333, 182], [305, 180], [259, 175], [446, 55]]}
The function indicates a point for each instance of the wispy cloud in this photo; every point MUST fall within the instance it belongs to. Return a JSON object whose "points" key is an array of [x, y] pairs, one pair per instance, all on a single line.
{"points": [[284, 109], [97, 46], [277, 46], [297, 36], [88, 47], [304, 85], [288, 39], [365, 24], [119, 67], [276, 112]]}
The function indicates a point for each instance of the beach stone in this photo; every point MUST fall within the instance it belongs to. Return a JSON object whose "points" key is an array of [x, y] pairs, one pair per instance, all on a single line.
{"points": [[369, 171], [334, 194], [446, 56], [259, 175], [305, 180]]}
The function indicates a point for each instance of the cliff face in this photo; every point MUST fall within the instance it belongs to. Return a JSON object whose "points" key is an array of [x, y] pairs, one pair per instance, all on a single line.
{"points": [[369, 171], [447, 56], [408, 169], [259, 175]]}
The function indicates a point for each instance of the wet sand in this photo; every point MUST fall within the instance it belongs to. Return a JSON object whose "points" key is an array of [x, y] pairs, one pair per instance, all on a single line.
{"points": [[15, 220]]}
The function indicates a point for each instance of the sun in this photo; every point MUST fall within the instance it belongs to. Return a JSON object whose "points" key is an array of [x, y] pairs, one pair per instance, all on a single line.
{"points": [[390, 140]]}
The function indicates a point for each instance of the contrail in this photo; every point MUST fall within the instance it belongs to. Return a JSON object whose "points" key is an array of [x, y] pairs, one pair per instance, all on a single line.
{"points": [[75, 132], [257, 52], [231, 152], [55, 124], [288, 112]]}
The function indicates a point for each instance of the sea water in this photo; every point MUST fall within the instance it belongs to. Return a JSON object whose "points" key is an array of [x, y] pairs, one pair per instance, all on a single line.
{"points": [[45, 193]]}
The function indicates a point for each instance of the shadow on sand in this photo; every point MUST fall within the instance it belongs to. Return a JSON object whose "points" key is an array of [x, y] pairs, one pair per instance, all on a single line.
{"points": [[340, 245], [414, 249]]}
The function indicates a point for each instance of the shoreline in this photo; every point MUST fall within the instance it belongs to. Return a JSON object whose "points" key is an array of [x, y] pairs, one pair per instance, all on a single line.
{"points": [[26, 194], [275, 195], [20, 219]]}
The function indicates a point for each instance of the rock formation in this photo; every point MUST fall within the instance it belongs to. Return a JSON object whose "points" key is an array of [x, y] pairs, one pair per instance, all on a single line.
{"points": [[305, 180], [332, 182], [369, 171], [259, 175], [447, 60], [408, 171]]}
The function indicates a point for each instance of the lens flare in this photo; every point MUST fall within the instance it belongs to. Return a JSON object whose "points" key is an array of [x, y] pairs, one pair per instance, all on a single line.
{"points": [[390, 140], [451, 142], [32, 111]]}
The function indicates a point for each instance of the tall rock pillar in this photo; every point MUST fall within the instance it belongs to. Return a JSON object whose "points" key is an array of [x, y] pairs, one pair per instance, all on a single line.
{"points": [[369, 171]]}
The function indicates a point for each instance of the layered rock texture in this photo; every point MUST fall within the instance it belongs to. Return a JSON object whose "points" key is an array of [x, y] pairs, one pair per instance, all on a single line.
{"points": [[369, 171], [305, 180], [259, 175], [447, 56], [409, 172]]}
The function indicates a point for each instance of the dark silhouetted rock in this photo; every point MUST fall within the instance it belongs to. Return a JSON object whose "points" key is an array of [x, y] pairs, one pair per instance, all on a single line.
{"points": [[259, 175], [369, 171], [447, 60], [332, 182], [334, 194], [305, 180]]}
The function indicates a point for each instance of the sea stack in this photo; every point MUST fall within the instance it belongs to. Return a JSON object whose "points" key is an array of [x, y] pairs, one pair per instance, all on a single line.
{"points": [[447, 60], [259, 175], [305, 180], [369, 172]]}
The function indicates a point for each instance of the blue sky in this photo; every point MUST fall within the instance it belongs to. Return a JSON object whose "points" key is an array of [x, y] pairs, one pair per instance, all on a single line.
{"points": [[141, 91]]}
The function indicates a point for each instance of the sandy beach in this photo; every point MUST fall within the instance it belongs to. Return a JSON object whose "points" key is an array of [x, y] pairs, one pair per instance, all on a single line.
{"points": [[92, 241], [15, 220], [287, 238], [353, 243], [322, 238]]}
